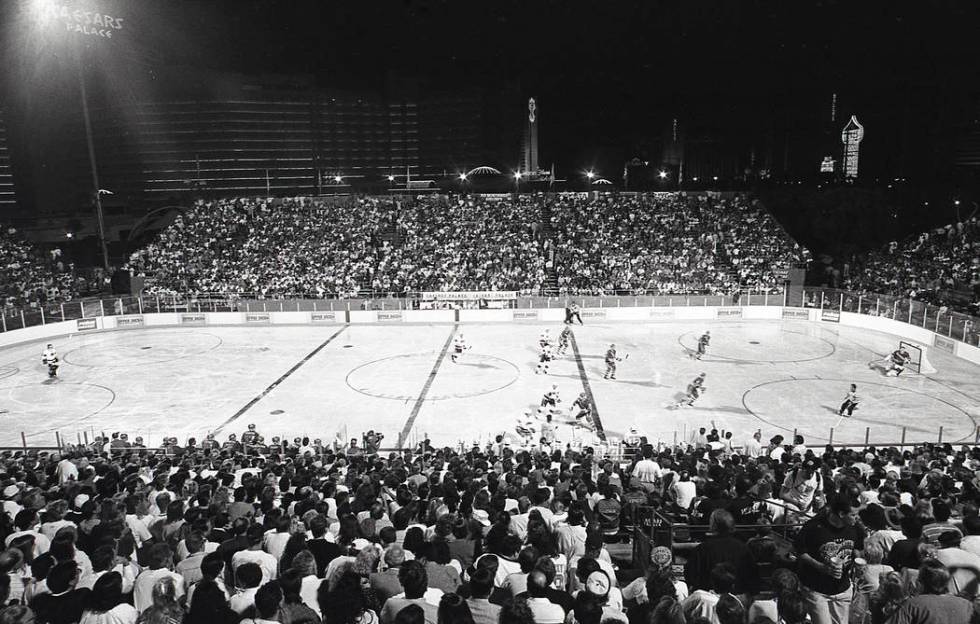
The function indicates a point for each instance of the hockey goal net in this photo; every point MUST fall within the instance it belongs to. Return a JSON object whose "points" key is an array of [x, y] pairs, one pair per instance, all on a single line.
{"points": [[919, 362]]}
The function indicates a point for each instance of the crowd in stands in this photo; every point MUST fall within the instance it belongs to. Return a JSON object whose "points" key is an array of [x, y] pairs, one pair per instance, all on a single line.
{"points": [[669, 243], [241, 531], [314, 247], [29, 278], [926, 268]]}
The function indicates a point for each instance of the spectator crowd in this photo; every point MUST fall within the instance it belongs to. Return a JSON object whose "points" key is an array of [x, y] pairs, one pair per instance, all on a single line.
{"points": [[29, 278], [928, 268], [669, 243], [221, 533], [313, 247]]}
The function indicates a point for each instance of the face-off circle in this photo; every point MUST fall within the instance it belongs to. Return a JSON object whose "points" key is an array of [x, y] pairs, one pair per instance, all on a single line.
{"points": [[151, 348], [472, 375]]}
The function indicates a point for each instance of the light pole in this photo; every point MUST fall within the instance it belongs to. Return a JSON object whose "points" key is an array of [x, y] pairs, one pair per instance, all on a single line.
{"points": [[92, 163]]}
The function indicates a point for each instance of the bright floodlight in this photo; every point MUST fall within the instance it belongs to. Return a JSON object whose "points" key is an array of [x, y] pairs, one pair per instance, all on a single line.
{"points": [[391, 178], [462, 177], [590, 174], [695, 178], [957, 202], [715, 178], [337, 179], [663, 175], [517, 175]]}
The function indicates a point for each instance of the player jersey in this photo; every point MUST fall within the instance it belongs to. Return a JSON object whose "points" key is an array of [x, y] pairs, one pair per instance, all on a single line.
{"points": [[610, 356], [49, 356], [582, 404], [899, 358], [545, 339], [459, 345], [566, 334], [250, 437], [705, 340], [695, 386], [851, 397]]}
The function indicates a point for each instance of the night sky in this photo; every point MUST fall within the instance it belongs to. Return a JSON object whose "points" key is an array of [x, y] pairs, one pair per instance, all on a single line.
{"points": [[608, 75]]}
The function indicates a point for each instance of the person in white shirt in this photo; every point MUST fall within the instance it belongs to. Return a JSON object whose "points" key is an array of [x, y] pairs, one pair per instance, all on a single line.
{"points": [[248, 579], [647, 472], [26, 522], [255, 554], [683, 490], [106, 605], [275, 540], [160, 560], [55, 518], [753, 448], [545, 611]]}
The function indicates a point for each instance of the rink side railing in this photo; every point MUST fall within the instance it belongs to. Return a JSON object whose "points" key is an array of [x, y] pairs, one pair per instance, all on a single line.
{"points": [[937, 319]]}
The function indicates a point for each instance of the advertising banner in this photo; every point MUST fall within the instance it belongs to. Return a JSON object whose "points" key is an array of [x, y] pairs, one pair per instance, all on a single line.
{"points": [[832, 316], [261, 318], [323, 317], [525, 315], [947, 345], [470, 295], [193, 319], [390, 315], [661, 313], [593, 314], [85, 324], [129, 321], [796, 314], [729, 313]]}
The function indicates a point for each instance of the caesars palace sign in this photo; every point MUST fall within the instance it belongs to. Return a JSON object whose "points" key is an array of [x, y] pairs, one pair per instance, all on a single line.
{"points": [[83, 22]]}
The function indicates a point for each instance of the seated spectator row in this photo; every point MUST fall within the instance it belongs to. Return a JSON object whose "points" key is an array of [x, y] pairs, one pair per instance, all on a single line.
{"points": [[215, 533]]}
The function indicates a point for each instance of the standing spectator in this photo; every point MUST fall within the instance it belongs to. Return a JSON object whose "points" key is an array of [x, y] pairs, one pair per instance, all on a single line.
{"points": [[164, 608], [453, 609], [268, 601], [826, 546], [254, 554], [293, 610], [249, 576], [544, 611]]}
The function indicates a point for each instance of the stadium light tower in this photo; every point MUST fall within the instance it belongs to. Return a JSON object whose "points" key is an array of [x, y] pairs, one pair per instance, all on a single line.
{"points": [[663, 174], [53, 17]]}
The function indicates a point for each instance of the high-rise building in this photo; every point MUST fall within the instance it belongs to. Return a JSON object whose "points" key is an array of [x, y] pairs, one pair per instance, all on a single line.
{"points": [[529, 144]]}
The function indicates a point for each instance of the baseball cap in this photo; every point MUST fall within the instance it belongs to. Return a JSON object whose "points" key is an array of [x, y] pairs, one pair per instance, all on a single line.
{"points": [[661, 557], [597, 583]]}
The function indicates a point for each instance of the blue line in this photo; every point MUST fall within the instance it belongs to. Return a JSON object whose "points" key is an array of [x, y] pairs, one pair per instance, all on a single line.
{"points": [[419, 402], [588, 389], [276, 383]]}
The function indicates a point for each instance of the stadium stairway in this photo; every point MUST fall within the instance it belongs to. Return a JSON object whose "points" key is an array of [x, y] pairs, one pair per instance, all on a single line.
{"points": [[547, 242]]}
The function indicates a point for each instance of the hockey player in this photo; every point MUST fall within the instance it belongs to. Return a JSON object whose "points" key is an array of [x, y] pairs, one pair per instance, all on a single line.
{"points": [[526, 428], [702, 347], [850, 402], [459, 347], [564, 338], [544, 340], [611, 360], [50, 359], [582, 409], [551, 398], [572, 313], [896, 362], [250, 439], [546, 356], [694, 390]]}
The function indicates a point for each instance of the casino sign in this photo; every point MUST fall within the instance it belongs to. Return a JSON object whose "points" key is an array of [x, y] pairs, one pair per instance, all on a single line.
{"points": [[83, 22]]}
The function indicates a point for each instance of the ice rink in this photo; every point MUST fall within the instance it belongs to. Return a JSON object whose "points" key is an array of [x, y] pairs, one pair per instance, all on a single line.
{"points": [[400, 380]]}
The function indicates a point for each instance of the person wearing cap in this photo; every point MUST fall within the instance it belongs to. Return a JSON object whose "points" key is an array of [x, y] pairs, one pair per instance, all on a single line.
{"points": [[598, 585], [801, 485], [661, 564], [964, 566]]}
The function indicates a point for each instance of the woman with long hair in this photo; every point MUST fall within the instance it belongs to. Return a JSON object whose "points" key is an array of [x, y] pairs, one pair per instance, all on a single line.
{"points": [[105, 605], [210, 605]]}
